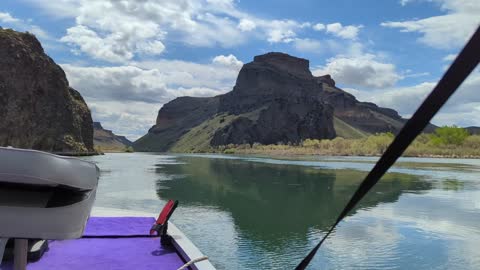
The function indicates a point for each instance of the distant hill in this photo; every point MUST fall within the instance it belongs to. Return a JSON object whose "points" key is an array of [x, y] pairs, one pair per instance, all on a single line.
{"points": [[473, 130], [107, 141], [275, 99]]}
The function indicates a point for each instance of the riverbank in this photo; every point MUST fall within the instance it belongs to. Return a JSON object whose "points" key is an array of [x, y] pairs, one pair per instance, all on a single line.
{"points": [[291, 151], [374, 145], [78, 154]]}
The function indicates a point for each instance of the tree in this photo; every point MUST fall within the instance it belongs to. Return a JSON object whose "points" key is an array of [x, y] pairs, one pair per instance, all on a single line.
{"points": [[449, 135]]}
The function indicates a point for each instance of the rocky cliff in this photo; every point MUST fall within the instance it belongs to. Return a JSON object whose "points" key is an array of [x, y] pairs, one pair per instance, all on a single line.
{"points": [[276, 99], [105, 140], [38, 109]]}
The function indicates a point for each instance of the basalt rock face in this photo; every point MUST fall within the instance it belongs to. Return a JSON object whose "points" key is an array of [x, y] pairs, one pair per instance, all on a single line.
{"points": [[276, 99], [364, 116], [38, 109], [106, 140], [288, 100], [175, 119]]}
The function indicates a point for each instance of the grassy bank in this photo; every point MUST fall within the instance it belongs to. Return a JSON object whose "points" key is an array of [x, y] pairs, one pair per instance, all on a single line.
{"points": [[106, 149], [449, 142]]}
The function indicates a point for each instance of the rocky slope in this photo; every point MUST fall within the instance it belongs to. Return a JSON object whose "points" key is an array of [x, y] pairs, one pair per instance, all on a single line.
{"points": [[106, 140], [473, 130], [275, 99], [38, 109]]}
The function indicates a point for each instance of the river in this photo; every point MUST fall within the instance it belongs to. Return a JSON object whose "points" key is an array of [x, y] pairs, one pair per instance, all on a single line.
{"points": [[263, 213]]}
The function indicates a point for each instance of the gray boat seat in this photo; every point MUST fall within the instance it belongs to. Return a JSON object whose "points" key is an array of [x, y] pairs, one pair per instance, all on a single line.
{"points": [[44, 196]]}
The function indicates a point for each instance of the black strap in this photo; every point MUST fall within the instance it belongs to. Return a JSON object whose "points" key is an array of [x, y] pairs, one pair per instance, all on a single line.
{"points": [[465, 63]]}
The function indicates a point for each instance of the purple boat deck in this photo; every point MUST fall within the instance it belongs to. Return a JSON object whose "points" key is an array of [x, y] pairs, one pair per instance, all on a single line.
{"points": [[132, 249]]}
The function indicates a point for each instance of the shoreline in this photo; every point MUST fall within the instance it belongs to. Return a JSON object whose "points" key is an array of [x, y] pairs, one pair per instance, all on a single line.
{"points": [[277, 154], [77, 154], [290, 154]]}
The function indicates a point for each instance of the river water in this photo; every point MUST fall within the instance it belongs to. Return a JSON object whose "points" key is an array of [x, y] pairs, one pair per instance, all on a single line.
{"points": [[263, 213]]}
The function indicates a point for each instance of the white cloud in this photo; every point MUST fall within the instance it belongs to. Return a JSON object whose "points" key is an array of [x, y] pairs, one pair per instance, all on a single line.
{"points": [[154, 82], [462, 109], [450, 57], [127, 98], [280, 30], [346, 32], [228, 60], [403, 99], [338, 30], [364, 70], [408, 74], [405, 2], [129, 118], [318, 27], [122, 83], [308, 45], [5, 17], [124, 31], [246, 25], [23, 25], [119, 31], [445, 31]]}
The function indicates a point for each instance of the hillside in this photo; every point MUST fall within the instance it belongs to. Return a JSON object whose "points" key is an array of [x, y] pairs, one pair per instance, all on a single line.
{"points": [[276, 99], [106, 141], [38, 109], [473, 130]]}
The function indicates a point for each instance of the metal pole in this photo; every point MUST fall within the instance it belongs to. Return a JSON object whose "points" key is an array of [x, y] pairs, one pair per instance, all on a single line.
{"points": [[20, 254]]}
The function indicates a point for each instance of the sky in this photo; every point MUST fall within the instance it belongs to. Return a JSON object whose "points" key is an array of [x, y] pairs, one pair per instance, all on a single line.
{"points": [[129, 57]]}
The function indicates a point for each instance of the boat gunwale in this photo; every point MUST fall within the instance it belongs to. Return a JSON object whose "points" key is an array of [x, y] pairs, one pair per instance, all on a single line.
{"points": [[183, 245]]}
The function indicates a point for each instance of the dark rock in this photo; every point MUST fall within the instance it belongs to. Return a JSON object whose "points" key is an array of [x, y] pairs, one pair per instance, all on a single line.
{"points": [[38, 109], [282, 61], [326, 79], [473, 130], [175, 119], [283, 121], [275, 99]]}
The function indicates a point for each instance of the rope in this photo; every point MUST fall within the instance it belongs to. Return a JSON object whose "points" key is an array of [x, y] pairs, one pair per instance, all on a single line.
{"points": [[465, 63], [192, 262]]}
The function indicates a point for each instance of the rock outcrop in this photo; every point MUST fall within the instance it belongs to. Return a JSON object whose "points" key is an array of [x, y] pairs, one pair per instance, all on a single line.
{"points": [[286, 99], [276, 99], [106, 141], [38, 109]]}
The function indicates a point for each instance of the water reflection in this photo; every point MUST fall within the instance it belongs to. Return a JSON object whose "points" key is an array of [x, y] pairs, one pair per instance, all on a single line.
{"points": [[273, 205], [263, 213]]}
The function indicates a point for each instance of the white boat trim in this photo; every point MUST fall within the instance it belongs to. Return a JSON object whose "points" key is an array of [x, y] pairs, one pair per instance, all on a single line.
{"points": [[186, 249]]}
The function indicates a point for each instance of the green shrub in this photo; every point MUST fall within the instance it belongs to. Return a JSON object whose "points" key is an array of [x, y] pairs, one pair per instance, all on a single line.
{"points": [[449, 135], [229, 151], [443, 145]]}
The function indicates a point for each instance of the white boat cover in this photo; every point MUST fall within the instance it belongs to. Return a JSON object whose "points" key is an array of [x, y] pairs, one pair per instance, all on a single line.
{"points": [[41, 168], [30, 180]]}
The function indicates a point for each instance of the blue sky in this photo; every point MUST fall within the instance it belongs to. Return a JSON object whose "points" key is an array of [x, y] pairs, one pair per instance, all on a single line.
{"points": [[129, 57]]}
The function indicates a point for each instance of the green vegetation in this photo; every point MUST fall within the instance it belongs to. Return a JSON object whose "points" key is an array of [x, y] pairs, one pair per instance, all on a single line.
{"points": [[74, 145], [445, 142], [449, 135], [128, 149], [198, 138], [113, 149]]}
